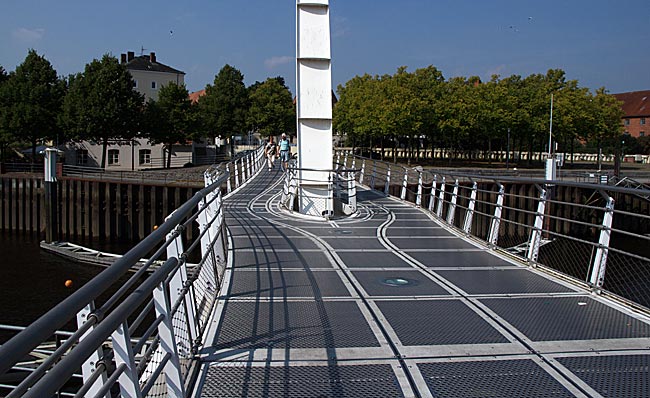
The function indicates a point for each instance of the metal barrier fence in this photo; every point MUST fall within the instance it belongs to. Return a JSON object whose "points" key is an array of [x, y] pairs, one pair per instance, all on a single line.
{"points": [[595, 234], [142, 341], [341, 197], [176, 177]]}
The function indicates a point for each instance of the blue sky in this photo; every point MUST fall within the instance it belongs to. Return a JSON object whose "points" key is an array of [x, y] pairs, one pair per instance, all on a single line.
{"points": [[598, 42]]}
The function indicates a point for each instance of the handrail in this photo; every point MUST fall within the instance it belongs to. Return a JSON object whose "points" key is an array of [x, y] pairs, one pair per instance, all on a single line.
{"points": [[102, 325], [340, 183], [57, 317], [593, 241]]}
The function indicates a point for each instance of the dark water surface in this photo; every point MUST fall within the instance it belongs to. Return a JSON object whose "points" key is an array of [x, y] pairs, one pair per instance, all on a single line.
{"points": [[32, 281]]}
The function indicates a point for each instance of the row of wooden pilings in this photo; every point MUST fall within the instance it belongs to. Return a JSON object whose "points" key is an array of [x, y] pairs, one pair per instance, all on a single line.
{"points": [[89, 209]]}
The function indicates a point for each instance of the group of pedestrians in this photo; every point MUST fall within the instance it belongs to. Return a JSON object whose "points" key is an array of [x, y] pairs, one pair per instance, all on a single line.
{"points": [[282, 151]]}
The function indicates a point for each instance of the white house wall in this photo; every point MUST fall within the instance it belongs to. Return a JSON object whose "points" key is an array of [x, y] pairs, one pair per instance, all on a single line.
{"points": [[182, 154], [144, 79]]}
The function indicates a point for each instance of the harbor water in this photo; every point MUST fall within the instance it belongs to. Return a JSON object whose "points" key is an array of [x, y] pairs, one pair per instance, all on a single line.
{"points": [[33, 281]]}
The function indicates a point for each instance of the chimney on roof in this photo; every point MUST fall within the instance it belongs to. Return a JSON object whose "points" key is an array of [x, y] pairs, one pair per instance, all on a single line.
{"points": [[129, 56], [152, 57], [122, 58]]}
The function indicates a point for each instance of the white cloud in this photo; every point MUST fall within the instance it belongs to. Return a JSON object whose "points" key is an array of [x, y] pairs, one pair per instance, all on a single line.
{"points": [[274, 62], [28, 35]]}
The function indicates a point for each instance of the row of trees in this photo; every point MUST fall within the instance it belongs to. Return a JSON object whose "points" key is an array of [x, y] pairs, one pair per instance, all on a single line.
{"points": [[415, 109], [100, 105], [465, 114]]}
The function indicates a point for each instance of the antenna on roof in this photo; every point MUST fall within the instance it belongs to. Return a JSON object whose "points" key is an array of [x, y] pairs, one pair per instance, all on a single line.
{"points": [[142, 50]]}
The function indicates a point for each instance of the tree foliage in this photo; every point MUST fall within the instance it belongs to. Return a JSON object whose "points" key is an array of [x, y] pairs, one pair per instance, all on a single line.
{"points": [[464, 114], [31, 101], [171, 119], [101, 104], [271, 109], [224, 106]]}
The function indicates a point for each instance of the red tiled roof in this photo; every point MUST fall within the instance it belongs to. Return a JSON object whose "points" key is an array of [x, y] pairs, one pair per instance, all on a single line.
{"points": [[635, 103], [194, 97]]}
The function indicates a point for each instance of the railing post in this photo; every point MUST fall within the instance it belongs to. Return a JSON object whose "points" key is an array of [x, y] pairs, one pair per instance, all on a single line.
{"points": [[90, 365], [432, 195], [363, 170], [329, 205], [354, 163], [236, 168], [536, 235], [338, 157], [374, 174], [345, 159], [249, 163], [493, 236], [441, 198], [123, 351], [451, 212], [467, 225], [218, 229], [352, 192], [293, 189], [387, 185], [418, 198], [168, 343], [177, 282], [402, 195], [228, 185], [600, 260], [244, 177]]}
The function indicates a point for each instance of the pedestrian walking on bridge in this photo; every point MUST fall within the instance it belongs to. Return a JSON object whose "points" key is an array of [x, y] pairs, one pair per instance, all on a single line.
{"points": [[285, 151], [270, 151]]}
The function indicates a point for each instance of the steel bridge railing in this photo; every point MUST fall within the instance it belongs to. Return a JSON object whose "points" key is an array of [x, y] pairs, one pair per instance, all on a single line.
{"points": [[597, 235], [142, 341], [341, 197]]}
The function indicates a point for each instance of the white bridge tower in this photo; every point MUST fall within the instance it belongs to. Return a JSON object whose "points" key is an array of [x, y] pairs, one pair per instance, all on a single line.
{"points": [[314, 105]]}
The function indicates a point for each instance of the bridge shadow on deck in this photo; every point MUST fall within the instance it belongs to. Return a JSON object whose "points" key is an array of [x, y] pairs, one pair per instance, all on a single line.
{"points": [[391, 304]]}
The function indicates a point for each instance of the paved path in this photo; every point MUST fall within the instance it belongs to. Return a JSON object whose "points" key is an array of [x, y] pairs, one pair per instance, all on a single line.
{"points": [[391, 304]]}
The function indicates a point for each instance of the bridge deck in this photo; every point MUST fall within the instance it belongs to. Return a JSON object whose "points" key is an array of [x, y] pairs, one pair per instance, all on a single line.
{"points": [[391, 304]]}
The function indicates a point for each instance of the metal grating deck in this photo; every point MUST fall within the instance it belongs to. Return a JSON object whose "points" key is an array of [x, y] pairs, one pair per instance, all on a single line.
{"points": [[391, 304]]}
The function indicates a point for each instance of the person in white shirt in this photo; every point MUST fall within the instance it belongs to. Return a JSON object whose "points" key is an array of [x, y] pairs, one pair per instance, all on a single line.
{"points": [[270, 151]]}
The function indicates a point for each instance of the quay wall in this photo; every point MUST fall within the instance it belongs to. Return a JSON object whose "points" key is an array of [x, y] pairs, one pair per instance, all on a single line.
{"points": [[90, 209]]}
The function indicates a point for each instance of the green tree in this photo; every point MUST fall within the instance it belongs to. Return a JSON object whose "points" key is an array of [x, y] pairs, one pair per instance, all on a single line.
{"points": [[224, 106], [171, 119], [271, 109], [5, 135], [607, 114], [102, 105], [31, 99]]}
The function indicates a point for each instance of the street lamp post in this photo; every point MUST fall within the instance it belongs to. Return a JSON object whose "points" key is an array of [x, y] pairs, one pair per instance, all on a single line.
{"points": [[508, 150]]}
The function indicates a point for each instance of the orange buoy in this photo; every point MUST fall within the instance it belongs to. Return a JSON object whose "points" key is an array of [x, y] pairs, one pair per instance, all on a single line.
{"points": [[68, 283], [155, 227]]}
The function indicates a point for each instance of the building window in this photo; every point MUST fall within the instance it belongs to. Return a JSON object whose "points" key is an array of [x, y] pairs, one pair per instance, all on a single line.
{"points": [[642, 121], [82, 157], [153, 85], [642, 134], [145, 156], [113, 156], [627, 122], [135, 84]]}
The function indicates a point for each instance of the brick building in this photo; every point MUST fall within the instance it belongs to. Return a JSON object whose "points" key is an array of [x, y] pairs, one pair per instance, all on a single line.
{"points": [[636, 109]]}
